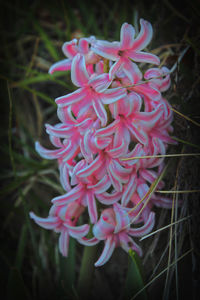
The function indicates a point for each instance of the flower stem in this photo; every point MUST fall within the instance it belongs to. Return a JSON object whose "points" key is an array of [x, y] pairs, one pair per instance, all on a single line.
{"points": [[86, 272]]}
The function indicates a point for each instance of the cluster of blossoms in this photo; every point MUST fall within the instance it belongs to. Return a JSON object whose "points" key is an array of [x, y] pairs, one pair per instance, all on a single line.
{"points": [[116, 113]]}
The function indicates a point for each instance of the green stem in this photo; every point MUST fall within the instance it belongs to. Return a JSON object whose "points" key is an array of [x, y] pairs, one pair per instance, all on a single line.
{"points": [[134, 280], [86, 272]]}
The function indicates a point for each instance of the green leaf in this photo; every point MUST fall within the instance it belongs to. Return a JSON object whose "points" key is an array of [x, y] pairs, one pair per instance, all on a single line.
{"points": [[21, 247], [16, 183], [49, 45], [41, 95], [134, 280], [67, 266], [186, 142]]}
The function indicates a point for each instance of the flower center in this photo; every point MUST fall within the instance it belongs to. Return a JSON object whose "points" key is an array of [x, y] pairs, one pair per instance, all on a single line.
{"points": [[120, 53], [91, 89]]}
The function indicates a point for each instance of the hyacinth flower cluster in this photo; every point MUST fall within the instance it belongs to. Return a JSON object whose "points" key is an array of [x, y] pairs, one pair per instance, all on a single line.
{"points": [[117, 112]]}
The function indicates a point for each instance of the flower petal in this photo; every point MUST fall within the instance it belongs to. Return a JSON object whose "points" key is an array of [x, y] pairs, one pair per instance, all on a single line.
{"points": [[77, 232], [107, 49], [108, 199], [115, 67], [61, 132], [103, 227], [71, 98], [129, 189], [63, 243], [151, 118], [88, 242], [64, 176], [55, 141], [138, 132], [70, 48], [152, 73], [100, 83], [145, 229], [128, 243], [63, 65], [47, 223], [149, 91], [143, 57], [83, 45], [112, 95], [49, 154], [162, 202], [118, 151], [69, 197], [101, 186], [144, 37], [79, 74], [87, 171], [107, 252], [92, 208], [119, 172], [102, 142], [127, 34], [122, 218], [100, 110], [108, 130], [131, 70], [117, 184]]}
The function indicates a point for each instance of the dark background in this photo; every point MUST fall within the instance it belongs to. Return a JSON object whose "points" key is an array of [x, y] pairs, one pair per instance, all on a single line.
{"points": [[32, 33]]}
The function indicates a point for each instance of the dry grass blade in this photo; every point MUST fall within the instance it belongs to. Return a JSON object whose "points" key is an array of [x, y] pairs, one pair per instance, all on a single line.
{"points": [[178, 192], [179, 59], [147, 195], [176, 246], [167, 283], [162, 272], [185, 142], [165, 227], [166, 288], [185, 117], [161, 155]]}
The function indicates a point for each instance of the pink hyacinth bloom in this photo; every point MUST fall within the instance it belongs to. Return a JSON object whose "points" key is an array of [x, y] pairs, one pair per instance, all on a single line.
{"points": [[108, 163], [114, 228], [62, 220], [78, 134], [93, 90], [159, 77], [71, 49], [128, 51], [115, 113], [87, 191], [130, 123], [140, 173]]}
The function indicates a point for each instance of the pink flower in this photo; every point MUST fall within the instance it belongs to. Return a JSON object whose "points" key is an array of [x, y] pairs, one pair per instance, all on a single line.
{"points": [[71, 49], [114, 228], [107, 163], [92, 90], [62, 220], [159, 77], [86, 192], [128, 50], [130, 123], [72, 136], [115, 113]]}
